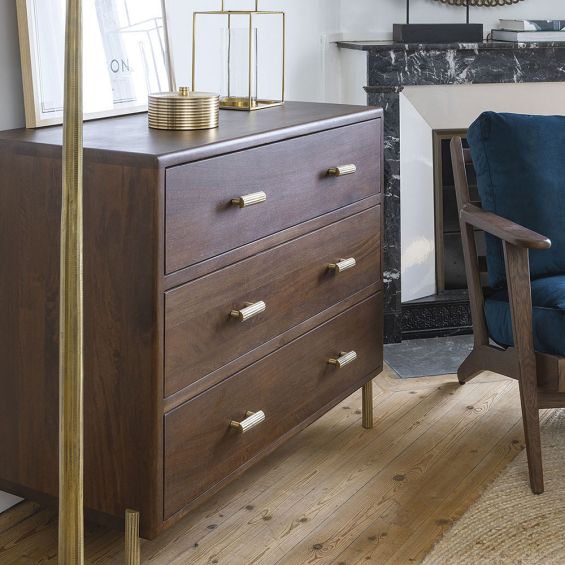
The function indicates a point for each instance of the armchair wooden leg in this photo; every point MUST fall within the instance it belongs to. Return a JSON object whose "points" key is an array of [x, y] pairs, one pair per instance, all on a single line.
{"points": [[518, 274], [469, 369], [530, 416], [367, 402]]}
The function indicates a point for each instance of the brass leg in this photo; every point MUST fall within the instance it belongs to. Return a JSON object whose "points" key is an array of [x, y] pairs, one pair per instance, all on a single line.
{"points": [[132, 549], [368, 406]]}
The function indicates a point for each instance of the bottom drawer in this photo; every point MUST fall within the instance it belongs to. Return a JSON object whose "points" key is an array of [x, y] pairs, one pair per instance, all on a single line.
{"points": [[289, 386]]}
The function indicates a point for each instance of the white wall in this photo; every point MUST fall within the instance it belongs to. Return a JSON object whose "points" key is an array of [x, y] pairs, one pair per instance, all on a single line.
{"points": [[11, 103], [314, 66], [308, 21]]}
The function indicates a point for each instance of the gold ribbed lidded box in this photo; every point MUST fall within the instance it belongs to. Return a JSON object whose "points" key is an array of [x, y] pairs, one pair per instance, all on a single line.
{"points": [[184, 110]]}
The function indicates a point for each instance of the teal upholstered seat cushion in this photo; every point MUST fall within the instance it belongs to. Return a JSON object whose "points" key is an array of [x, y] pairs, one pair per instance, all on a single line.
{"points": [[548, 299], [520, 166]]}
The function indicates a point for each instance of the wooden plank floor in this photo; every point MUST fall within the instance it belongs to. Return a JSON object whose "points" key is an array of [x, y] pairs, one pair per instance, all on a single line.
{"points": [[335, 494]]}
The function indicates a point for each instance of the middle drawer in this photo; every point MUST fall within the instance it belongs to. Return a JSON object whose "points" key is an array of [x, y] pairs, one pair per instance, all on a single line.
{"points": [[204, 329]]}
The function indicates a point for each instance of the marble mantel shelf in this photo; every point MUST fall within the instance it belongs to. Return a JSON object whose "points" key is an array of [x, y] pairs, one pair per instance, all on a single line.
{"points": [[374, 46]]}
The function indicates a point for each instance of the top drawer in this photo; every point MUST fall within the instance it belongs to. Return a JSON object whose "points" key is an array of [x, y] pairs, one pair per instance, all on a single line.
{"points": [[202, 222]]}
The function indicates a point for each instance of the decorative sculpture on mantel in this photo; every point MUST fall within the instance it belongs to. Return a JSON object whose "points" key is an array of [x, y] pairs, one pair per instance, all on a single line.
{"points": [[446, 33], [482, 3], [478, 3]]}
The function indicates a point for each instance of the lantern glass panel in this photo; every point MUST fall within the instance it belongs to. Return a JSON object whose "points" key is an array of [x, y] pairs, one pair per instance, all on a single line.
{"points": [[209, 52], [270, 57], [239, 84]]}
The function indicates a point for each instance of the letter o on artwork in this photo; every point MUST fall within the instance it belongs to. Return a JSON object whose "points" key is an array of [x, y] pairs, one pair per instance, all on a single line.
{"points": [[115, 66]]}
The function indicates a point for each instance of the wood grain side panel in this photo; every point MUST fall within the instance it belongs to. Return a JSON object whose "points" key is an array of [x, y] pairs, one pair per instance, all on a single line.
{"points": [[30, 212], [201, 222], [293, 280], [121, 315], [289, 386]]}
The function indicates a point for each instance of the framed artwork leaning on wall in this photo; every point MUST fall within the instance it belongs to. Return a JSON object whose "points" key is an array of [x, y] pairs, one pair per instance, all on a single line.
{"points": [[126, 57]]}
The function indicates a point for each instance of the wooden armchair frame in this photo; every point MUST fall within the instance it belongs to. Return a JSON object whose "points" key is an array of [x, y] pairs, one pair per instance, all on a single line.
{"points": [[541, 377]]}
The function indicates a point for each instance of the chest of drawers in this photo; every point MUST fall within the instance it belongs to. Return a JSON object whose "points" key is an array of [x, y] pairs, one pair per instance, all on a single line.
{"points": [[225, 272]]}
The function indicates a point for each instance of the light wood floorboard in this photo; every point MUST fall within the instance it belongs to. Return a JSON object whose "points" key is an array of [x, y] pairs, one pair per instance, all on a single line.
{"points": [[335, 494]]}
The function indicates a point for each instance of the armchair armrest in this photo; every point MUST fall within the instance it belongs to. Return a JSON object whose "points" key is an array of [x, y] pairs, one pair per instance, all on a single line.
{"points": [[504, 229], [517, 241]]}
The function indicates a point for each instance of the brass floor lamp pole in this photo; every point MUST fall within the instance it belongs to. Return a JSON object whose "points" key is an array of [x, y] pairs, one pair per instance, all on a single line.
{"points": [[71, 343], [71, 377]]}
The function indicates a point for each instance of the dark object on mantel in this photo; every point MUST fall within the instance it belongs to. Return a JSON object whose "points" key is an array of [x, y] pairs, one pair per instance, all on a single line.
{"points": [[437, 33]]}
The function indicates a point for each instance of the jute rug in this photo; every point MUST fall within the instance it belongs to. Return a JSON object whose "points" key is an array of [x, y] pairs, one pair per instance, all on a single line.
{"points": [[509, 525]]}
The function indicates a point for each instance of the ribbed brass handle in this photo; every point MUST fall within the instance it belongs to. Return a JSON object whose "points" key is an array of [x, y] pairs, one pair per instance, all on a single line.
{"points": [[251, 310], [343, 359], [342, 171], [249, 200], [343, 265], [252, 421]]}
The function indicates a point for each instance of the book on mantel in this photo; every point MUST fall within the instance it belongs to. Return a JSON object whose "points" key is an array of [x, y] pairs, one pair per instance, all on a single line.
{"points": [[532, 25], [527, 36], [530, 31]]}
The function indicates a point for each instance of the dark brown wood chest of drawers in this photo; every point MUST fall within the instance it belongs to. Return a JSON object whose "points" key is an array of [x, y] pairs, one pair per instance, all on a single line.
{"points": [[223, 271]]}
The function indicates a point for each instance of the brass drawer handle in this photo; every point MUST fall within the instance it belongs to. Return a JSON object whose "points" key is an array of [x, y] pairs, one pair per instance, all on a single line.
{"points": [[252, 421], [343, 359], [250, 311], [342, 171], [249, 200], [343, 265]]}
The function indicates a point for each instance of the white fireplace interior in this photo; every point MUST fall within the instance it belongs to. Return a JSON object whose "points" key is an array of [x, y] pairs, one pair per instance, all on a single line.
{"points": [[426, 111]]}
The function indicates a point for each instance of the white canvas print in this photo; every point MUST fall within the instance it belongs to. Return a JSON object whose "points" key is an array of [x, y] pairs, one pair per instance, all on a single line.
{"points": [[125, 57]]}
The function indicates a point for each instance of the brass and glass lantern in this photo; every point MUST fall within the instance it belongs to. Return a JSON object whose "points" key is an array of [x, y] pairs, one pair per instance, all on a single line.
{"points": [[241, 54]]}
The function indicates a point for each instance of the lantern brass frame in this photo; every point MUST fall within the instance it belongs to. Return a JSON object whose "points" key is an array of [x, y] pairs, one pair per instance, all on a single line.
{"points": [[247, 104]]}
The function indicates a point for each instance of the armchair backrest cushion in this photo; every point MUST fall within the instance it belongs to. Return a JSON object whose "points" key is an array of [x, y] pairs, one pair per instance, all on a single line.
{"points": [[520, 166]]}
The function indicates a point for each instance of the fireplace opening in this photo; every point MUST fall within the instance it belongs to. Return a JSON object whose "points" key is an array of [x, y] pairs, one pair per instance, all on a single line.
{"points": [[450, 264], [447, 312]]}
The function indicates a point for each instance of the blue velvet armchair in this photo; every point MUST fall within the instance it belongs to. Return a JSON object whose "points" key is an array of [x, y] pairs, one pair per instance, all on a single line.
{"points": [[519, 319]]}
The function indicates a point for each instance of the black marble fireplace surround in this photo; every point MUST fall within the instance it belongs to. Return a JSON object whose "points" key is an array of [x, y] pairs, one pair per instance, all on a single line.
{"points": [[390, 67]]}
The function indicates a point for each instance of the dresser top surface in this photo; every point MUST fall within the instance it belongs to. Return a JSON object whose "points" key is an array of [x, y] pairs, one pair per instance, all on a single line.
{"points": [[130, 135]]}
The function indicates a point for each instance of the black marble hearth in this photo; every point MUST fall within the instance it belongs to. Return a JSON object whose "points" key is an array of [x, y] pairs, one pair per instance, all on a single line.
{"points": [[391, 67]]}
